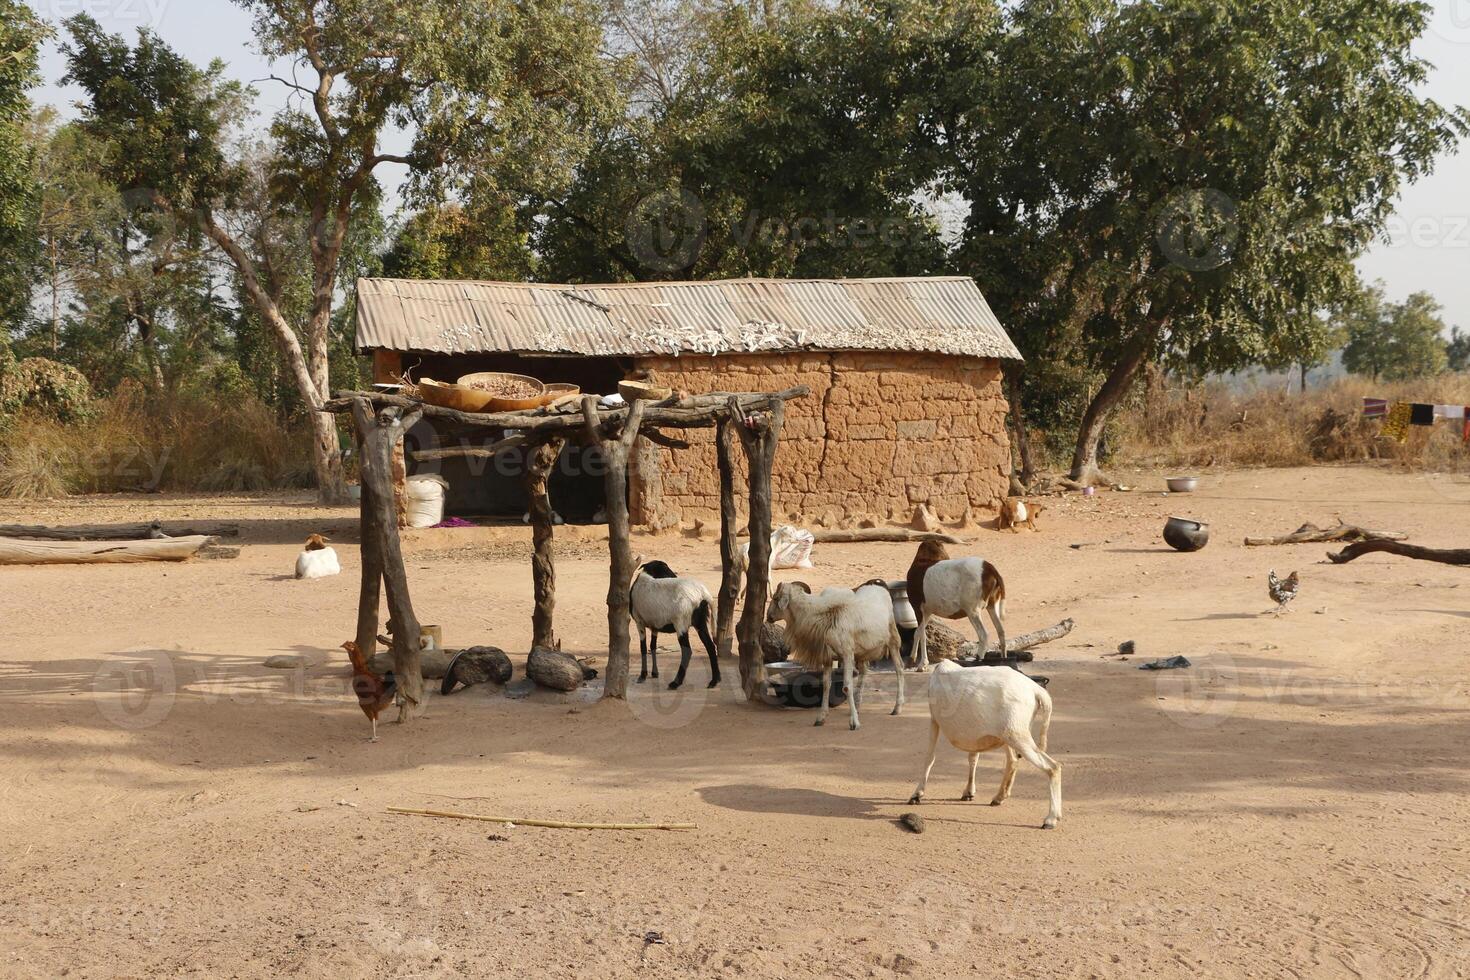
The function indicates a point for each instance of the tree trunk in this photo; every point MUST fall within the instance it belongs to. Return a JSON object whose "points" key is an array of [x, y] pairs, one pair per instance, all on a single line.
{"points": [[1022, 479], [760, 436], [729, 546], [1305, 369], [539, 463], [620, 548], [380, 433], [1084, 459], [326, 453]]}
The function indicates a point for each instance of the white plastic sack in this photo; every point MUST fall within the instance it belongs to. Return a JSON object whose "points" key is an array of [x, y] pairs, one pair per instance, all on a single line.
{"points": [[424, 499], [791, 547]]}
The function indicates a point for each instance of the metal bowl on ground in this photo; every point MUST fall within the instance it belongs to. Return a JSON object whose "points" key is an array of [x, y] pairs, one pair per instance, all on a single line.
{"points": [[505, 392], [1182, 484], [1186, 533]]}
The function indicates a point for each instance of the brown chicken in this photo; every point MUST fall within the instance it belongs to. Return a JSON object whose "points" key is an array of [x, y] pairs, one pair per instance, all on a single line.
{"points": [[374, 693]]}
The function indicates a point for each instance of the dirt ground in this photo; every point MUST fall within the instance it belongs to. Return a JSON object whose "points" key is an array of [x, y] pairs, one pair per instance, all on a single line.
{"points": [[1292, 805]]}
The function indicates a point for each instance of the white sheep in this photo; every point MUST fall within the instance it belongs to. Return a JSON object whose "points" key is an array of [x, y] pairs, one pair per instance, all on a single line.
{"points": [[317, 560], [661, 602], [955, 588], [855, 626], [984, 708]]}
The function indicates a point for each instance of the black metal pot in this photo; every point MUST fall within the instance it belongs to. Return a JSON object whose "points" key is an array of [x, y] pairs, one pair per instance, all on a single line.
{"points": [[1186, 534]]}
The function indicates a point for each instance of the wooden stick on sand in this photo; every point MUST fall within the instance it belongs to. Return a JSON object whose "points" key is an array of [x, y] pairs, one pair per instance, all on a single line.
{"points": [[559, 824]]}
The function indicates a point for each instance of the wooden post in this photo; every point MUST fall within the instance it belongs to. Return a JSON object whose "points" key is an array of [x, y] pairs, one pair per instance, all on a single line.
{"points": [[540, 460], [369, 597], [380, 434], [759, 434], [729, 545], [620, 549]]}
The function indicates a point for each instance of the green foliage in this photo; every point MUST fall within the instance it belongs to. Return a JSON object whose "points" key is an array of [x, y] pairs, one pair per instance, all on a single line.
{"points": [[21, 33], [1457, 350], [55, 391], [1394, 341]]}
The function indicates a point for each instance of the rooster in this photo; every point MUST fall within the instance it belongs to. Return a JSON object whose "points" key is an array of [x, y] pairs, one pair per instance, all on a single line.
{"points": [[1281, 592], [374, 693]]}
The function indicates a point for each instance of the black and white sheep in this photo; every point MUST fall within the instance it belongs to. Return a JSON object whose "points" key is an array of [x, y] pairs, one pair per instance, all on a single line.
{"points": [[662, 602]]}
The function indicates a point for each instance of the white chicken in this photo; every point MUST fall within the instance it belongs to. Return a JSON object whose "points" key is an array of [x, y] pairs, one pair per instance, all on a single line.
{"points": [[316, 559]]}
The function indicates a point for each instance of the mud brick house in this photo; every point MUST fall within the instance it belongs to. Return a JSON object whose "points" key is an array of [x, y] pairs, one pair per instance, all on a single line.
{"points": [[906, 404]]}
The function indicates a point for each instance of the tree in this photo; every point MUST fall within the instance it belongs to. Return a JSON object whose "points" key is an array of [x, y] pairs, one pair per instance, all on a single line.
{"points": [[21, 33], [494, 98], [77, 211], [1394, 341], [1140, 172], [1457, 350]]}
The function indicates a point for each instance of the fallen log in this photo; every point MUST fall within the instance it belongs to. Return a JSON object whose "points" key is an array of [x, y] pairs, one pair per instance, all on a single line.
{"points": [[117, 532], [1445, 556], [1312, 534], [16, 551], [863, 534], [433, 664]]}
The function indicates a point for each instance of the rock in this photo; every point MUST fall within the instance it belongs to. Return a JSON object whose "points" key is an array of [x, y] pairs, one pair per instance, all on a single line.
{"points": [[868, 522], [773, 643], [554, 669], [287, 661], [476, 665], [924, 520], [913, 822], [1126, 648]]}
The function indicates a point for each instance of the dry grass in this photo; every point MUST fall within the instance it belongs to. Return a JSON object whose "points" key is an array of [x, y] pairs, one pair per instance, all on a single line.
{"points": [[1210, 425], [186, 442]]}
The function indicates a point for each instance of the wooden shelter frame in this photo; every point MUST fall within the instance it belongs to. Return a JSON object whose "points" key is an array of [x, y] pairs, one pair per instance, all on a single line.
{"points": [[751, 420]]}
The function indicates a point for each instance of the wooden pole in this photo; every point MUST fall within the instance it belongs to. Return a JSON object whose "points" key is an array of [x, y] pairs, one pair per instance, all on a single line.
{"points": [[620, 548], [729, 545], [759, 434], [370, 557], [540, 461], [381, 433]]}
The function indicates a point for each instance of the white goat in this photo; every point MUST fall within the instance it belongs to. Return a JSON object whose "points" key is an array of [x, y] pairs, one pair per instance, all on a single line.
{"points": [[317, 560], [852, 625], [955, 588], [661, 602], [984, 708]]}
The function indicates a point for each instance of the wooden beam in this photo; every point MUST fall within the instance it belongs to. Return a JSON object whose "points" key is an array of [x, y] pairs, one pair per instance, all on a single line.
{"points": [[729, 545], [698, 411], [539, 464], [117, 532], [473, 452]]}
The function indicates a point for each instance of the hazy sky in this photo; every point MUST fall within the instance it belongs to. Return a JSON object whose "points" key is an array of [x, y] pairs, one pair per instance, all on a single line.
{"points": [[1428, 246]]}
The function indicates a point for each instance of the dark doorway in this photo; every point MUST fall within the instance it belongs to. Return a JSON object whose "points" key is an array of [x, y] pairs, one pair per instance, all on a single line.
{"points": [[480, 487]]}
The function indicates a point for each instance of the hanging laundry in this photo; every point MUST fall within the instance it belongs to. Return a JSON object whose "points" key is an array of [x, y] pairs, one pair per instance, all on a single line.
{"points": [[1449, 411], [1396, 424], [1421, 414], [1375, 408]]}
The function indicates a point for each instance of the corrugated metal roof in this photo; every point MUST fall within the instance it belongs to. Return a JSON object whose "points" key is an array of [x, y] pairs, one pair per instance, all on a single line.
{"points": [[940, 315]]}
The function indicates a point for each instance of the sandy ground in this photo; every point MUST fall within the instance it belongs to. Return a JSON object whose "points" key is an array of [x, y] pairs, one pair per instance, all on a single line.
{"points": [[1294, 805]]}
